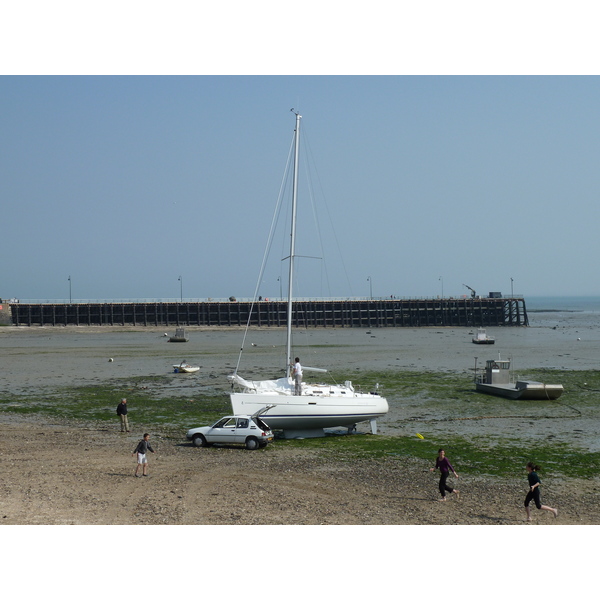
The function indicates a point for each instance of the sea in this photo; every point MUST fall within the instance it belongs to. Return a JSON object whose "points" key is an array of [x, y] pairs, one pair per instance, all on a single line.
{"points": [[589, 304]]}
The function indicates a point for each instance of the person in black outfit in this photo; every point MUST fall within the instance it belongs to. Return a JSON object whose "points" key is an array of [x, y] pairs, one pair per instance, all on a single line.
{"points": [[534, 491], [122, 412], [141, 450]]}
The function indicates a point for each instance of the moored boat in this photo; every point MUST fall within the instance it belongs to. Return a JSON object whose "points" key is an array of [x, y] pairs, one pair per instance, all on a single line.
{"points": [[179, 336], [184, 367], [483, 338], [496, 380]]}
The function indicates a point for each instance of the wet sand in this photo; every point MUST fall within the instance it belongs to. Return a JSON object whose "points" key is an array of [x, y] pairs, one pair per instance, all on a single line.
{"points": [[35, 359], [78, 355]]}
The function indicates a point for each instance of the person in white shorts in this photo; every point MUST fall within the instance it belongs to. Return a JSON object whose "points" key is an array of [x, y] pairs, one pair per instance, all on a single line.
{"points": [[141, 450]]}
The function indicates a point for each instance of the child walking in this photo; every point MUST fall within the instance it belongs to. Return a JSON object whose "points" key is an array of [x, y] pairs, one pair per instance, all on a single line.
{"points": [[141, 450], [443, 464], [534, 491]]}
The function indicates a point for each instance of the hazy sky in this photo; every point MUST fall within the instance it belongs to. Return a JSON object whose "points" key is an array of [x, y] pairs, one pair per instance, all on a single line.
{"points": [[423, 179], [127, 183]]}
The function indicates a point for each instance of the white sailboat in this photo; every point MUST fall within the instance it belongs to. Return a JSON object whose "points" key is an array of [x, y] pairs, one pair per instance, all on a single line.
{"points": [[319, 405]]}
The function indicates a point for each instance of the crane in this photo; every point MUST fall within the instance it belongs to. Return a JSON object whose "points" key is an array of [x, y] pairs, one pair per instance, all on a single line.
{"points": [[473, 292]]}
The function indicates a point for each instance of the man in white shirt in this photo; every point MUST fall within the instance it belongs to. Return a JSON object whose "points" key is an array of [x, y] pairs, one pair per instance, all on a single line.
{"points": [[297, 372]]}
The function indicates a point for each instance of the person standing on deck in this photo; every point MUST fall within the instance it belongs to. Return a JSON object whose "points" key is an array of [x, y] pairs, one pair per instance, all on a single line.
{"points": [[297, 372]]}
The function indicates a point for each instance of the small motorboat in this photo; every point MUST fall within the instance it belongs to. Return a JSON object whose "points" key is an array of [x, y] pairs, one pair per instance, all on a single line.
{"points": [[495, 380], [184, 367], [483, 338], [179, 336]]}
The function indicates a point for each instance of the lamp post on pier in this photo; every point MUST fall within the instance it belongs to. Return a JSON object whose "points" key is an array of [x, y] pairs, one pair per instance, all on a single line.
{"points": [[442, 280], [180, 279], [512, 295], [370, 286], [70, 294]]}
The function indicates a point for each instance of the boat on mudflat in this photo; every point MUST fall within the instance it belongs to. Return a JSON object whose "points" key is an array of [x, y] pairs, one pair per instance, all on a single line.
{"points": [[317, 406], [496, 380], [184, 367], [179, 336], [483, 338]]}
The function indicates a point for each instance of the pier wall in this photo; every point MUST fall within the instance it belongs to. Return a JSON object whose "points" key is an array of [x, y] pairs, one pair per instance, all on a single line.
{"points": [[445, 312], [5, 313]]}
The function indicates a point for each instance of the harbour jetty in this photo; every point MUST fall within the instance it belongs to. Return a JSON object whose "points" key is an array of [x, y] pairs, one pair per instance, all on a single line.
{"points": [[392, 312], [5, 313]]}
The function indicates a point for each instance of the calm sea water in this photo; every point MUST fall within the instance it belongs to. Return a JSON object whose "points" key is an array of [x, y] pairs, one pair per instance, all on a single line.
{"points": [[563, 303]]}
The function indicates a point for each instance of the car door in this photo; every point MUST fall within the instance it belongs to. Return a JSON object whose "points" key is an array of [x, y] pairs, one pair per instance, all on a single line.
{"points": [[223, 432], [241, 429]]}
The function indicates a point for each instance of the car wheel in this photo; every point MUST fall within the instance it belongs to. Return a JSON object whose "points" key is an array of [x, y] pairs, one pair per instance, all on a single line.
{"points": [[199, 441], [251, 443]]}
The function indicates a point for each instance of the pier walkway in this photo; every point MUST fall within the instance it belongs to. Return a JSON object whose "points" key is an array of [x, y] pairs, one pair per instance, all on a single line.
{"points": [[440, 312]]}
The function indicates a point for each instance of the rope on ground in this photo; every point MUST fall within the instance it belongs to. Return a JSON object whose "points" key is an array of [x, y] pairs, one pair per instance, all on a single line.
{"points": [[499, 417]]}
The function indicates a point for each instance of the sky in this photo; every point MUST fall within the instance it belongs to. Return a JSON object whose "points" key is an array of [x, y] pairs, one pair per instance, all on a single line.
{"points": [[443, 148], [421, 185]]}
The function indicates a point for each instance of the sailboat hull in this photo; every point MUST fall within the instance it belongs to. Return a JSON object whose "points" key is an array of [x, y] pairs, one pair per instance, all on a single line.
{"points": [[310, 412]]}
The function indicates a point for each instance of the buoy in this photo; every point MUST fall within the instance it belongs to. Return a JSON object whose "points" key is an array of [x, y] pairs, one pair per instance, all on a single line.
{"points": [[110, 360]]}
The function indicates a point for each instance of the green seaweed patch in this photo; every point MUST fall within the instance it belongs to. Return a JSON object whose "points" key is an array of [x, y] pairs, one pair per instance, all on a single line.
{"points": [[506, 459], [147, 401], [403, 382]]}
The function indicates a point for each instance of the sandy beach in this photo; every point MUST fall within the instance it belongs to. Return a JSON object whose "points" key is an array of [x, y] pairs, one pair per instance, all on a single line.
{"points": [[77, 473], [65, 475]]}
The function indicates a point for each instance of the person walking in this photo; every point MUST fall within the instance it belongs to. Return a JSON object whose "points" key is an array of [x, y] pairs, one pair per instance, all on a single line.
{"points": [[534, 491], [122, 412], [297, 372], [141, 450], [443, 464]]}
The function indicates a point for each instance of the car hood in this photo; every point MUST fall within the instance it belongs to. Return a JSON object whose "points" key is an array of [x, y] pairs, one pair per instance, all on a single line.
{"points": [[203, 429]]}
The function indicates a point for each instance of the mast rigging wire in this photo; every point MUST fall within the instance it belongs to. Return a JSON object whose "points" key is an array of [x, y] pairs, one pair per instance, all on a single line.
{"points": [[267, 251]]}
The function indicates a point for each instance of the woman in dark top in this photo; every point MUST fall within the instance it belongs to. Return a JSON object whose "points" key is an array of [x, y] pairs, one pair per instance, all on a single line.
{"points": [[443, 464], [534, 491]]}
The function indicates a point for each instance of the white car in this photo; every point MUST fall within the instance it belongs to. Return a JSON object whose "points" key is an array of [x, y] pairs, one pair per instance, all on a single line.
{"points": [[234, 429]]}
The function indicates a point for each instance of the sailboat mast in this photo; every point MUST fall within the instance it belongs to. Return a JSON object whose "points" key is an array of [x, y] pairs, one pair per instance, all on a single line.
{"points": [[293, 242]]}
